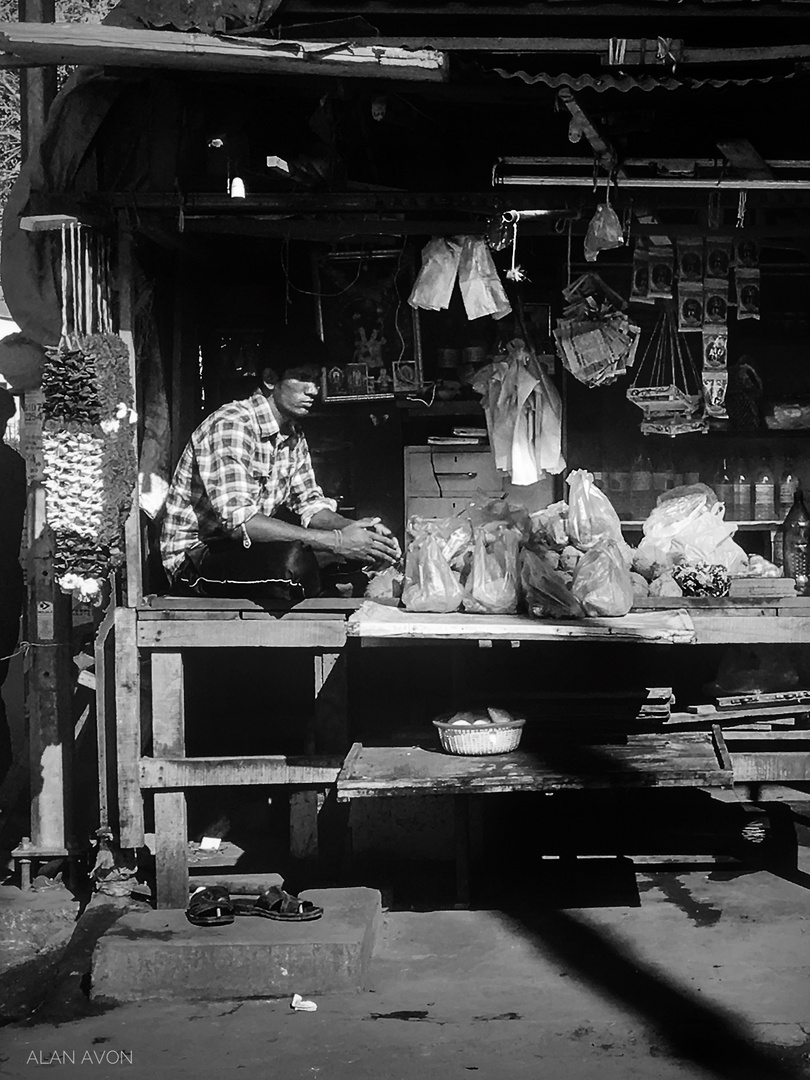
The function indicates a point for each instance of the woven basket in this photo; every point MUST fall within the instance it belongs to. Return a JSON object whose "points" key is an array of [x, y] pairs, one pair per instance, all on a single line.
{"points": [[480, 739]]}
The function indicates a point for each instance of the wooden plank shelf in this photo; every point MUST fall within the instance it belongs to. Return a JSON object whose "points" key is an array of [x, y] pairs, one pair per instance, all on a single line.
{"points": [[685, 759]]}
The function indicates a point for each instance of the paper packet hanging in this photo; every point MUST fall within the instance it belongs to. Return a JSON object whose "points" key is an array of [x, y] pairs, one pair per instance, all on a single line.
{"points": [[640, 284], [690, 306], [715, 303], [690, 260], [661, 272], [718, 258], [747, 282]]}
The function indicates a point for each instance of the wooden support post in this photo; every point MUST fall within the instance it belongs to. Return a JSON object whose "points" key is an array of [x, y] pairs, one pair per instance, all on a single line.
{"points": [[132, 530], [128, 730], [461, 809], [330, 732], [169, 740], [37, 85], [103, 728], [47, 684]]}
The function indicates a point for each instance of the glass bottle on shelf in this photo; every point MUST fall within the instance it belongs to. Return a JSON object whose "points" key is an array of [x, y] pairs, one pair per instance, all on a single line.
{"points": [[660, 477], [796, 536], [741, 492], [691, 470], [619, 486], [788, 486], [641, 500], [724, 489], [764, 487]]}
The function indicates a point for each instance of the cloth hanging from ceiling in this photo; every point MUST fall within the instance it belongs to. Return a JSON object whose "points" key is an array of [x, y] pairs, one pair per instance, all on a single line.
{"points": [[207, 16]]}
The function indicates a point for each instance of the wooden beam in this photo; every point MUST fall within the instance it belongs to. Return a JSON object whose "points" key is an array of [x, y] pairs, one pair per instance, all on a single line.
{"points": [[166, 774], [274, 633], [581, 124], [452, 9], [113, 46], [743, 156]]}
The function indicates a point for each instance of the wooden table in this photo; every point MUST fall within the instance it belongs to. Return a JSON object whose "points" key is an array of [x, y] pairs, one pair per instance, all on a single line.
{"points": [[660, 760]]}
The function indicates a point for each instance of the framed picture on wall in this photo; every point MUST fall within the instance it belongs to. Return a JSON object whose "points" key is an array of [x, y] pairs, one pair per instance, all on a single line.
{"points": [[370, 331]]}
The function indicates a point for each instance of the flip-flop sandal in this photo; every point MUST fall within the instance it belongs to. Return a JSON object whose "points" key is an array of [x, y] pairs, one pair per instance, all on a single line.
{"points": [[274, 903], [210, 906]]}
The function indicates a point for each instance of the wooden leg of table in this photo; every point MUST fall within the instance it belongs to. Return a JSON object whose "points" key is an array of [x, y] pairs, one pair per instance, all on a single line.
{"points": [[330, 732], [462, 840], [169, 740], [103, 716], [333, 822], [304, 806], [128, 730]]}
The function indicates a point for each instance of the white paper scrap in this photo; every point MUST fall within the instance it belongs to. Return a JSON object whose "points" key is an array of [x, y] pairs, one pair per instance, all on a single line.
{"points": [[300, 1005]]}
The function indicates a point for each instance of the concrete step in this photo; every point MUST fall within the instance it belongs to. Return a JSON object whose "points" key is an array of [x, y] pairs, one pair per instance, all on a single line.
{"points": [[160, 955]]}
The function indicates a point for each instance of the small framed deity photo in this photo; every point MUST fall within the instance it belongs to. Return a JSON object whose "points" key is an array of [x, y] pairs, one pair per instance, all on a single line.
{"points": [[363, 317]]}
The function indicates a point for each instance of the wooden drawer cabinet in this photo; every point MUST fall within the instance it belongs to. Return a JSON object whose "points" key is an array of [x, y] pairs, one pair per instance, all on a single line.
{"points": [[440, 481]]}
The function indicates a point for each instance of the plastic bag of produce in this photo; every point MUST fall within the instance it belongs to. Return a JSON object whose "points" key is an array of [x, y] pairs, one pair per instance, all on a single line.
{"points": [[689, 530], [602, 581], [430, 584], [491, 586], [545, 589], [591, 517], [454, 536]]}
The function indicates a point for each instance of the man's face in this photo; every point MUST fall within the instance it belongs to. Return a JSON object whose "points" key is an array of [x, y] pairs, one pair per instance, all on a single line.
{"points": [[295, 393]]}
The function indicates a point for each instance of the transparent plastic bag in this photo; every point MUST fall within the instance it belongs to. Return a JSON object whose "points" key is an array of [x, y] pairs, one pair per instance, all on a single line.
{"points": [[430, 584], [434, 284], [604, 232], [602, 582], [454, 535], [591, 517], [545, 590], [481, 288], [491, 586], [688, 530]]}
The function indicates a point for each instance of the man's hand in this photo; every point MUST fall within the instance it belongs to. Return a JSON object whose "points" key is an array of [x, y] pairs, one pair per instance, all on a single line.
{"points": [[370, 541]]}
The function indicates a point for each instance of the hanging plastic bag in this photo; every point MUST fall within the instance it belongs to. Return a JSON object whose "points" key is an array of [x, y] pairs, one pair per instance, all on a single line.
{"points": [[602, 581], [604, 232], [545, 590], [434, 284], [492, 583], [481, 287], [591, 517], [430, 584]]}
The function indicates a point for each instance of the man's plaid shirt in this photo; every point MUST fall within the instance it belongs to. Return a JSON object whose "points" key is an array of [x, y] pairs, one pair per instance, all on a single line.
{"points": [[237, 464]]}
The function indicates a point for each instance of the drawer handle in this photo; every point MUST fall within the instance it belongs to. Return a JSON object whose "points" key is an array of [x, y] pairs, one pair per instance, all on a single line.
{"points": [[458, 475]]}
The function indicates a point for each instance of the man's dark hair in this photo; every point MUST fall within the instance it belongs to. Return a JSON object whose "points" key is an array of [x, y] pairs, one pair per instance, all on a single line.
{"points": [[8, 405], [292, 347]]}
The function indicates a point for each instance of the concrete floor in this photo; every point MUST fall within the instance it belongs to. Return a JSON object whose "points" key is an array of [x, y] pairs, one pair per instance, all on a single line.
{"points": [[690, 974]]}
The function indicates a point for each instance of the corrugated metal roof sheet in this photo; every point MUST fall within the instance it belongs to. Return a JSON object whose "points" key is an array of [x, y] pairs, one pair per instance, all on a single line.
{"points": [[624, 83]]}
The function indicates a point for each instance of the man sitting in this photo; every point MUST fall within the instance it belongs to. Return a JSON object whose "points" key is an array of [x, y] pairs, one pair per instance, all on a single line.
{"points": [[247, 461]]}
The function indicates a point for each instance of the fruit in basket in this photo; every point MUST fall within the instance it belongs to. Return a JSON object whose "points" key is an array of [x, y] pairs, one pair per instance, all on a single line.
{"points": [[499, 716]]}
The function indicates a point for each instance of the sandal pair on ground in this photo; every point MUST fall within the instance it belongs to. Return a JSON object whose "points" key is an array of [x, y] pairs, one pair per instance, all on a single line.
{"points": [[214, 906]]}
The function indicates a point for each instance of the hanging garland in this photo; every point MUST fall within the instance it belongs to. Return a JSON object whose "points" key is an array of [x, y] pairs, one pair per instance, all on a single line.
{"points": [[89, 454]]}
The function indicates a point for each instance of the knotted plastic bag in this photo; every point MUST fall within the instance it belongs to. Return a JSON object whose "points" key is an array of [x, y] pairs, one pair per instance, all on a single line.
{"points": [[430, 584], [545, 589], [481, 287], [604, 232], [434, 284], [602, 581], [688, 530], [591, 517], [492, 583]]}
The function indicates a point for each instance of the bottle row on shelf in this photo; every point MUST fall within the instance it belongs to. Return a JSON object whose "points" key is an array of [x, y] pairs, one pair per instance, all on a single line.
{"points": [[758, 492]]}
